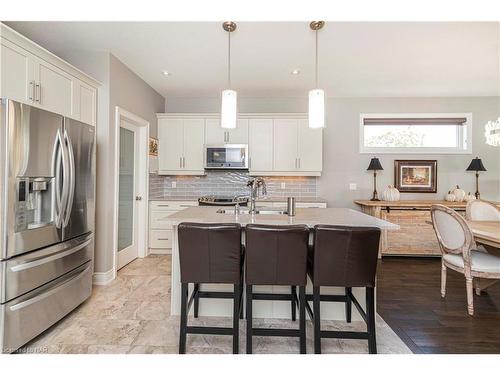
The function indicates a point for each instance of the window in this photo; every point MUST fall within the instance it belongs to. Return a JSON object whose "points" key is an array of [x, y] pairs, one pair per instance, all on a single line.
{"points": [[439, 133]]}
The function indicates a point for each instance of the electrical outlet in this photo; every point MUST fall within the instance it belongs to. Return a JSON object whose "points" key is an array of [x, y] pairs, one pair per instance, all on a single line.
{"points": [[174, 184], [353, 186], [283, 185]]}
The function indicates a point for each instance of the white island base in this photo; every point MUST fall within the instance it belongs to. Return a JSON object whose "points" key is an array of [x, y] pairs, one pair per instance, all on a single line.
{"points": [[261, 309], [268, 309]]}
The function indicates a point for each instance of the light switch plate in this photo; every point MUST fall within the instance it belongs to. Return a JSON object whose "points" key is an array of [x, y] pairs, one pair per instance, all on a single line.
{"points": [[353, 186], [283, 185], [174, 184]]}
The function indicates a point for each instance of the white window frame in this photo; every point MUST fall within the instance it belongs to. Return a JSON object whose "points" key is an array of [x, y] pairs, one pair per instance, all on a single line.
{"points": [[417, 150]]}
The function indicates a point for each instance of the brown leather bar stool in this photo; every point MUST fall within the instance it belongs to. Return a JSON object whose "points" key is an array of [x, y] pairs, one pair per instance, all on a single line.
{"points": [[276, 255], [212, 254], [344, 257]]}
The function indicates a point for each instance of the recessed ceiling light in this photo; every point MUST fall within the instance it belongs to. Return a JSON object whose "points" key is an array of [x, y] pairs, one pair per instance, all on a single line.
{"points": [[295, 72], [166, 73]]}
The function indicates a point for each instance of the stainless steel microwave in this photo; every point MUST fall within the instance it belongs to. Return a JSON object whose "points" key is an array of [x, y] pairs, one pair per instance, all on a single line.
{"points": [[226, 156]]}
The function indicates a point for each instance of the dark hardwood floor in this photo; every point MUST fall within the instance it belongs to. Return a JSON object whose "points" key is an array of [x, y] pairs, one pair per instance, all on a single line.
{"points": [[409, 300]]}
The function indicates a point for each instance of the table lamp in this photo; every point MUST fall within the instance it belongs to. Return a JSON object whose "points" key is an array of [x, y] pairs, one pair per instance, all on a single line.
{"points": [[375, 166], [476, 165]]}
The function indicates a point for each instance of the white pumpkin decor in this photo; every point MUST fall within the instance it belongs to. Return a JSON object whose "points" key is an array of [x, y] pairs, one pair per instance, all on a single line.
{"points": [[450, 197], [459, 194], [391, 194], [470, 197]]}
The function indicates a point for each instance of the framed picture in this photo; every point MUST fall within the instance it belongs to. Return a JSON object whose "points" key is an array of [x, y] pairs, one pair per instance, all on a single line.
{"points": [[415, 176], [153, 146]]}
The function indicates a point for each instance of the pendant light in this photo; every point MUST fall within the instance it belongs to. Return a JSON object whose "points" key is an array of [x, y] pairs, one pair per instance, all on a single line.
{"points": [[316, 95], [229, 113]]}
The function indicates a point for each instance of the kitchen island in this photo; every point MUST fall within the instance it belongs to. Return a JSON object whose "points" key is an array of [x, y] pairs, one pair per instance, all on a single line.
{"points": [[267, 309]]}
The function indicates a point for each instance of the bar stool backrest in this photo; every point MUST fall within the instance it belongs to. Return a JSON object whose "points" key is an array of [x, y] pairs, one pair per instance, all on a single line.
{"points": [[210, 253], [276, 254], [345, 256]]}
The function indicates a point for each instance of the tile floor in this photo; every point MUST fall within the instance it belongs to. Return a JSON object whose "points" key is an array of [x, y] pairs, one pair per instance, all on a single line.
{"points": [[132, 315]]}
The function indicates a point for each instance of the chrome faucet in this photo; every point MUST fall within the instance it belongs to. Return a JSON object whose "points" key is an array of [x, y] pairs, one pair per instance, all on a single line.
{"points": [[254, 185]]}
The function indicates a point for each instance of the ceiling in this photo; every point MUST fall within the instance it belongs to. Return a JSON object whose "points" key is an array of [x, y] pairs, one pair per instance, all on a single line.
{"points": [[356, 59]]}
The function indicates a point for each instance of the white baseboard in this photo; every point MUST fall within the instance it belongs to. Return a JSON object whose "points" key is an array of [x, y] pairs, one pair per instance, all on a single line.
{"points": [[103, 278], [160, 251]]}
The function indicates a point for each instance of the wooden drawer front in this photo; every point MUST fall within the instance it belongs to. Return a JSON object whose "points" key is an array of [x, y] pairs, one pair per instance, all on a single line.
{"points": [[171, 205], [415, 236], [160, 239]]}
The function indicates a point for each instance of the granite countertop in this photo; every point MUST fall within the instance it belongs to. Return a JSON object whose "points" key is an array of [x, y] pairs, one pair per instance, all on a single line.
{"points": [[268, 199], [307, 216]]}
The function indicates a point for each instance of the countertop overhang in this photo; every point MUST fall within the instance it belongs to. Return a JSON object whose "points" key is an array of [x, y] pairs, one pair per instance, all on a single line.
{"points": [[305, 216]]}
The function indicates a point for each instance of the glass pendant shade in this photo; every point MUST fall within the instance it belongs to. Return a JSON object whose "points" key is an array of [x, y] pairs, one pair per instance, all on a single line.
{"points": [[316, 109], [229, 113]]}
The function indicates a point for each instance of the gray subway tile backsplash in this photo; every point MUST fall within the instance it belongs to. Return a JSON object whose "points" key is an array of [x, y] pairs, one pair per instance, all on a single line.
{"points": [[227, 183]]}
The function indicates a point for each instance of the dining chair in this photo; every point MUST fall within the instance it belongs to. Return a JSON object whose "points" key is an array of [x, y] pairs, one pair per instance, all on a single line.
{"points": [[478, 210], [460, 253]]}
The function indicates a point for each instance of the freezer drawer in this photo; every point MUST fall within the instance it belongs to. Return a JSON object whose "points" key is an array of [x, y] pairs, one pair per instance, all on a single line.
{"points": [[27, 272], [26, 317]]}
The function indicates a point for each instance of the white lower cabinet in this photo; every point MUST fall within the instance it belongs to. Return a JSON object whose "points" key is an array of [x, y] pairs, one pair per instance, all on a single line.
{"points": [[160, 232]]}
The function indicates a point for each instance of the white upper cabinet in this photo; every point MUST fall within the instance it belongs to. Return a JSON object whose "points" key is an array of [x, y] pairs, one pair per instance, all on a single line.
{"points": [[170, 144], [285, 145], [194, 136], [260, 146], [34, 76], [310, 148], [53, 88], [214, 134], [84, 102], [17, 72], [180, 146]]}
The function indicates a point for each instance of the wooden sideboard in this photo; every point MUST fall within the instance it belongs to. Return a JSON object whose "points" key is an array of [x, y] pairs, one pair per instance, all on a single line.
{"points": [[416, 236]]}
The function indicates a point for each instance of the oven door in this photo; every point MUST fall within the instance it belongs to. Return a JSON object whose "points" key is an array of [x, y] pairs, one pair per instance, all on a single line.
{"points": [[226, 156]]}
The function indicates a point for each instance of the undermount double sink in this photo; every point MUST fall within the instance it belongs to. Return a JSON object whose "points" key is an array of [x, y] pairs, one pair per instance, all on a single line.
{"points": [[263, 211]]}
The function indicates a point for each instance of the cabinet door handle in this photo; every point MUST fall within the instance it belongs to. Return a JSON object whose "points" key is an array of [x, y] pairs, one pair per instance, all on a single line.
{"points": [[38, 93], [249, 162], [32, 90], [227, 136], [183, 162], [299, 163], [180, 162], [163, 239]]}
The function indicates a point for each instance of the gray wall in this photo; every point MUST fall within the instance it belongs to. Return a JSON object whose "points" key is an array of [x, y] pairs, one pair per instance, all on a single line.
{"points": [[342, 162], [120, 87]]}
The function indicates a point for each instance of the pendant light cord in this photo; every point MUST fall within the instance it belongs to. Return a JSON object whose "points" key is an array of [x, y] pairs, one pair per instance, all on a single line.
{"points": [[316, 63], [229, 59]]}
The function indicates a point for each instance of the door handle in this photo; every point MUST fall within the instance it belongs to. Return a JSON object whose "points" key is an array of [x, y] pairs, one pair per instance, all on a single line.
{"points": [[38, 93], [183, 162], [180, 162], [56, 171], [32, 91], [299, 163], [138, 198], [71, 189]]}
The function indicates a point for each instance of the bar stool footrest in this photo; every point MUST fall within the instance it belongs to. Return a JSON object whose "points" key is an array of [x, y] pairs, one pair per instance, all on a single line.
{"points": [[278, 332], [209, 330], [344, 335]]}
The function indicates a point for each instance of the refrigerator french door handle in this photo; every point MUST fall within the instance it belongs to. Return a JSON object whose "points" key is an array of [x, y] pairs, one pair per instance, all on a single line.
{"points": [[71, 180], [56, 171], [65, 181]]}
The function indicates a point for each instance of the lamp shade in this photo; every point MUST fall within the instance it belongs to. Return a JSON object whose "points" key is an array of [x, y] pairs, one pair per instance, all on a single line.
{"points": [[228, 113], [375, 165], [316, 109], [476, 165]]}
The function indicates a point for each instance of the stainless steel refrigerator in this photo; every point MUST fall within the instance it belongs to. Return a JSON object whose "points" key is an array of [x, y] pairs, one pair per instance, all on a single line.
{"points": [[47, 204]]}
